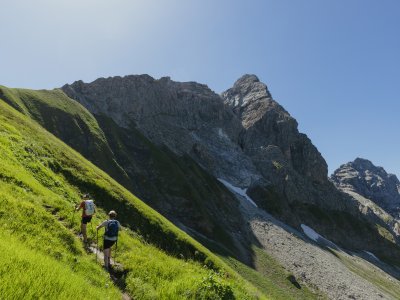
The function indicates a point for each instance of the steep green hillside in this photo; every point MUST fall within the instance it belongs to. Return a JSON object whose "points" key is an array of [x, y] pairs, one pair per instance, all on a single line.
{"points": [[40, 181], [175, 186], [70, 122]]}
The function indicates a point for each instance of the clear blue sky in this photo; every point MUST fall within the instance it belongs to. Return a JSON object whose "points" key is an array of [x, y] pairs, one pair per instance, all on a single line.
{"points": [[333, 64]]}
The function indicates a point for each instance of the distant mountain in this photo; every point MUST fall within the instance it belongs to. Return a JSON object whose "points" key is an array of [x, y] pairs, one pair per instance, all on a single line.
{"points": [[372, 182]]}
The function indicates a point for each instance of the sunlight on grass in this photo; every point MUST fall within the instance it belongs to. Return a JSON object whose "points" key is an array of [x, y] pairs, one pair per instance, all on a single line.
{"points": [[27, 274], [40, 181]]}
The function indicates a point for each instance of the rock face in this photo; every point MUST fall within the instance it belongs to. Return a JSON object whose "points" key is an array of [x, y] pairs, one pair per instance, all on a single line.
{"points": [[286, 159], [186, 117], [374, 183], [243, 137], [267, 123]]}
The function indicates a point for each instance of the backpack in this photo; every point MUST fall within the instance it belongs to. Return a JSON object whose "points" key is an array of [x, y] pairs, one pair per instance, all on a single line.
{"points": [[112, 228], [89, 207]]}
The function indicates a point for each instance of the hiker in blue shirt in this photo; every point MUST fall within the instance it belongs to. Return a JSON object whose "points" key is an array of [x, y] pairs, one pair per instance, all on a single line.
{"points": [[112, 227]]}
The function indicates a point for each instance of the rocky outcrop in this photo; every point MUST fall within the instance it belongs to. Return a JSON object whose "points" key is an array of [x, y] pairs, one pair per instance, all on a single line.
{"points": [[361, 176], [376, 192]]}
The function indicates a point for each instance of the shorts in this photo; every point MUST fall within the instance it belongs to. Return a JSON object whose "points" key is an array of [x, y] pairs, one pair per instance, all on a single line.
{"points": [[108, 243], [86, 219]]}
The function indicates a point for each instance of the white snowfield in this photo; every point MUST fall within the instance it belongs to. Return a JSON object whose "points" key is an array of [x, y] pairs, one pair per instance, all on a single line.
{"points": [[371, 254], [237, 190], [311, 233], [316, 237]]}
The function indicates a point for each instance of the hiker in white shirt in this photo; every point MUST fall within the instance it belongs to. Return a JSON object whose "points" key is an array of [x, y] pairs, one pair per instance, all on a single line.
{"points": [[88, 210]]}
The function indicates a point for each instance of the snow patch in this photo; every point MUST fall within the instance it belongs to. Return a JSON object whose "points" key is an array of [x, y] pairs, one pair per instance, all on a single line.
{"points": [[237, 190], [311, 233], [372, 255]]}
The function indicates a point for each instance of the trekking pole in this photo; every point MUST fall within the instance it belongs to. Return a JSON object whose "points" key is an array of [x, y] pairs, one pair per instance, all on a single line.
{"points": [[97, 245], [72, 218], [91, 226], [115, 255]]}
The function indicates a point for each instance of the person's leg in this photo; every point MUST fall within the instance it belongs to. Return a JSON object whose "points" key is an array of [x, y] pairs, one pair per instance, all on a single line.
{"points": [[107, 258], [83, 230]]}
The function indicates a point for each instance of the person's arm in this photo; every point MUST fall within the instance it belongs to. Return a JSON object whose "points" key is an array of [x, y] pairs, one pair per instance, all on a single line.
{"points": [[101, 225], [80, 206]]}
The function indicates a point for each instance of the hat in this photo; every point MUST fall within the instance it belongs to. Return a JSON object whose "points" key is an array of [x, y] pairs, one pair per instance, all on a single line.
{"points": [[112, 213]]}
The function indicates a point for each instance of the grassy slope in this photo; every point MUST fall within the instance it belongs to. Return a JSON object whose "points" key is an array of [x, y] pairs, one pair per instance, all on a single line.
{"points": [[70, 122], [40, 180], [174, 186]]}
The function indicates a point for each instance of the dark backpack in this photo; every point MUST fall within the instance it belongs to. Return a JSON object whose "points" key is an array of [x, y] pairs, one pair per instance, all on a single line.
{"points": [[112, 228]]}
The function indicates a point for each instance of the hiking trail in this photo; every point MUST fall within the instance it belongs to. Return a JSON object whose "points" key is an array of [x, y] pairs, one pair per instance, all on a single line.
{"points": [[116, 273]]}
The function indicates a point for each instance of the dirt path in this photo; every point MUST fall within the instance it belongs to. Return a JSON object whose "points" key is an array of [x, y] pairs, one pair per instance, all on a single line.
{"points": [[116, 272]]}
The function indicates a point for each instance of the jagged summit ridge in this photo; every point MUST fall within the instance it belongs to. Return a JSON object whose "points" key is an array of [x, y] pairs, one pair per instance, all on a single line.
{"points": [[187, 117], [235, 136], [138, 97]]}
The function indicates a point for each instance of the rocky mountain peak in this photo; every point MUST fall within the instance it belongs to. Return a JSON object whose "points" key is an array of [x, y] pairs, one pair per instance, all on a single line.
{"points": [[364, 178], [248, 93], [365, 164], [270, 132], [246, 79]]}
